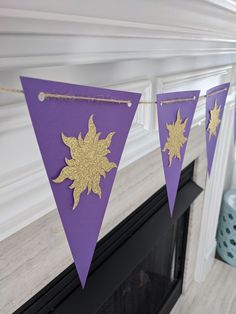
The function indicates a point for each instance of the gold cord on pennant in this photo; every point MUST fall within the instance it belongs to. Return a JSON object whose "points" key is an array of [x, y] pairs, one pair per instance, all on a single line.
{"points": [[42, 96]]}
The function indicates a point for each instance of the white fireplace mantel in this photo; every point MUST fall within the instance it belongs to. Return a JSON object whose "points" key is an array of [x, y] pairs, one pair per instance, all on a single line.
{"points": [[62, 35]]}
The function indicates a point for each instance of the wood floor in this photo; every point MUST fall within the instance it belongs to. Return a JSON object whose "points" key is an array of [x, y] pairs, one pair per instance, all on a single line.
{"points": [[217, 295]]}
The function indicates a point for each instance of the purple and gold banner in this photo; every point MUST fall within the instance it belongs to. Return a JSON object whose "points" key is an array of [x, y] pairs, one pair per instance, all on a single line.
{"points": [[215, 103], [81, 143], [175, 115]]}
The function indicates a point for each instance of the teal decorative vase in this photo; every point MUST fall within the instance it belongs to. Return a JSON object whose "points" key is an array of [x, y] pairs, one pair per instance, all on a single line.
{"points": [[226, 233]]}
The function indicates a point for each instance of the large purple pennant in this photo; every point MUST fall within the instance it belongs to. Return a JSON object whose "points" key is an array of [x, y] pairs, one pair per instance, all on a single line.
{"points": [[215, 103], [175, 115], [81, 143]]}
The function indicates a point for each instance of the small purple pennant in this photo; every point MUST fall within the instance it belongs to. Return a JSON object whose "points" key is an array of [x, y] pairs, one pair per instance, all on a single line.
{"points": [[61, 126], [215, 103], [175, 120]]}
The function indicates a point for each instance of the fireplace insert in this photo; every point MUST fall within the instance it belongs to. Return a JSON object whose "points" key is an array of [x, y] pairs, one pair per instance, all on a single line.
{"points": [[137, 268]]}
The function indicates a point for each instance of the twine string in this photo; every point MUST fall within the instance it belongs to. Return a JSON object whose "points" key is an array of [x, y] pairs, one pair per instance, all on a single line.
{"points": [[11, 90], [43, 96], [168, 101], [216, 92]]}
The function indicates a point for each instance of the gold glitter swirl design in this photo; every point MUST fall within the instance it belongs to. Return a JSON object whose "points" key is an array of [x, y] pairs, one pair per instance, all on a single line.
{"points": [[214, 121], [88, 163], [176, 138]]}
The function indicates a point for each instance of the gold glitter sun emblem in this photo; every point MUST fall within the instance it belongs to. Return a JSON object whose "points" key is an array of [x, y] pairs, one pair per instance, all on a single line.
{"points": [[88, 163], [176, 138], [214, 121]]}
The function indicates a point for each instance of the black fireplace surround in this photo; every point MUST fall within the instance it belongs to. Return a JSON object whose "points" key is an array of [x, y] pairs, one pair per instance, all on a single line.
{"points": [[137, 268]]}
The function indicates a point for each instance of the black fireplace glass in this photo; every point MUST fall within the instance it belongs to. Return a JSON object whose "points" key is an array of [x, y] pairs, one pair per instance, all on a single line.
{"points": [[151, 283]]}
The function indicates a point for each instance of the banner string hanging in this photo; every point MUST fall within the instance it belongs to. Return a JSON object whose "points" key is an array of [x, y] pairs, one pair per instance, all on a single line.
{"points": [[75, 148], [43, 96]]}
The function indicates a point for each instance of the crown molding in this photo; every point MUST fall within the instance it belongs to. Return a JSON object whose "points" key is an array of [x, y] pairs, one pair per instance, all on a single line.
{"points": [[18, 21], [43, 39], [229, 5]]}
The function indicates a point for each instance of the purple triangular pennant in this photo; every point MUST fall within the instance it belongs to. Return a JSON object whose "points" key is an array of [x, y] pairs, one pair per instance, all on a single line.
{"points": [[215, 103], [175, 115], [81, 143]]}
